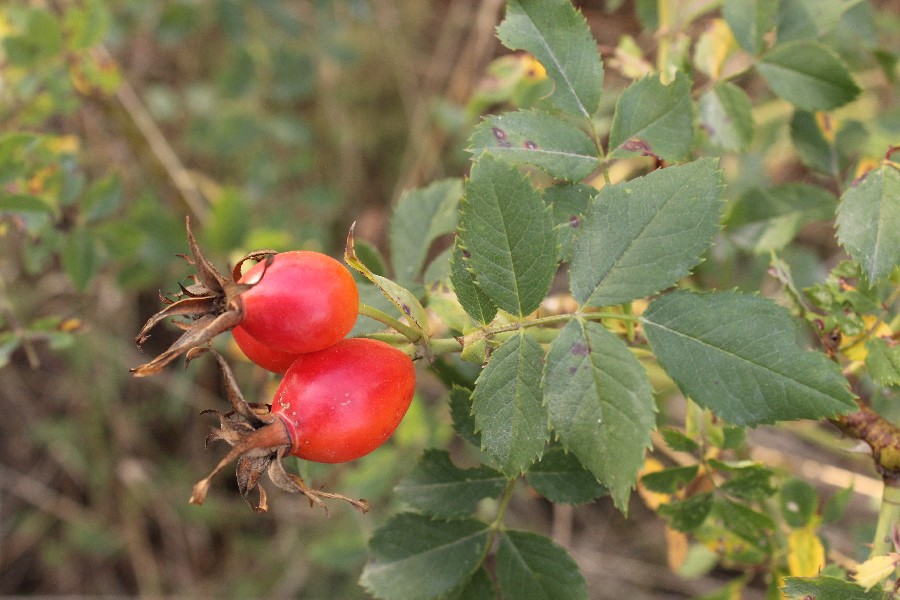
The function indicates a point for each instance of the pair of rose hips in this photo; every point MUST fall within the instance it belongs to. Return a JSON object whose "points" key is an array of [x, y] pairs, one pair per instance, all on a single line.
{"points": [[340, 398]]}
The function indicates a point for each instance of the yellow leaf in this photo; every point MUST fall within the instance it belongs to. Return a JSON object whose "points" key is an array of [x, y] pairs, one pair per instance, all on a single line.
{"points": [[534, 70], [828, 125], [876, 569], [855, 346], [864, 166], [806, 554], [713, 47], [653, 500], [677, 548]]}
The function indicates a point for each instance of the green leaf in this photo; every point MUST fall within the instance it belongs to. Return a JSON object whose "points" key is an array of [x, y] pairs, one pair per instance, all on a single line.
{"points": [[671, 480], [827, 588], [750, 21], [419, 217], [228, 224], [416, 558], [87, 26], [508, 231], [808, 74], [80, 257], [812, 147], [23, 204], [560, 478], [537, 138], [738, 356], [642, 236], [461, 414], [534, 567], [798, 501], [475, 302], [508, 407], [42, 38], [405, 301], [688, 514], [653, 118], [438, 488], [479, 587], [104, 197], [568, 204], [750, 482], [837, 504], [867, 222], [7, 347], [725, 114], [766, 219], [809, 19], [600, 404], [559, 37], [883, 361], [746, 523], [679, 441]]}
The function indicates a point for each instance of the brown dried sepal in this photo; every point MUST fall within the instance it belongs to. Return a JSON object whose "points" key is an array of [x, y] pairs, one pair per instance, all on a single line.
{"points": [[259, 440], [210, 306]]}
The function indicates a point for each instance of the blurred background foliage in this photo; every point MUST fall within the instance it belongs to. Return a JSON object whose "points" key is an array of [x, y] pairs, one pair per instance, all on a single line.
{"points": [[273, 124]]}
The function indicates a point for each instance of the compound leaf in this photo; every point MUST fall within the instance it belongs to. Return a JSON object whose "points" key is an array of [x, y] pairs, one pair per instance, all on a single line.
{"points": [[738, 356]]}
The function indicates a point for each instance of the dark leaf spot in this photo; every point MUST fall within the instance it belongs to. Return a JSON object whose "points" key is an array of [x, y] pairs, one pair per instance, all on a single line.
{"points": [[499, 133], [580, 349], [574, 221], [530, 145]]}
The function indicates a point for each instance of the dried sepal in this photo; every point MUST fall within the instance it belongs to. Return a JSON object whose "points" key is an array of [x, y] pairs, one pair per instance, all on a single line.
{"points": [[255, 443], [200, 332], [294, 484], [248, 472], [211, 305]]}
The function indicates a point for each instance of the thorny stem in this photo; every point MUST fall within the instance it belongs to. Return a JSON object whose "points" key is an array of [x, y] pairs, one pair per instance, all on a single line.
{"points": [[883, 437]]}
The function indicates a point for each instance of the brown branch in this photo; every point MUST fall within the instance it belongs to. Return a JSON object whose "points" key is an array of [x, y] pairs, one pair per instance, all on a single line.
{"points": [[882, 436]]}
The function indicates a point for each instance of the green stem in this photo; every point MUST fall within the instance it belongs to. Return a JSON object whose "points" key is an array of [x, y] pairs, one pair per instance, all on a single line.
{"points": [[411, 334], [497, 524], [552, 319], [888, 518]]}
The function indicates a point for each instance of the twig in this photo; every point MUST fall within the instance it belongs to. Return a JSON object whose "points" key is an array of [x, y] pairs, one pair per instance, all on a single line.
{"points": [[179, 176]]}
